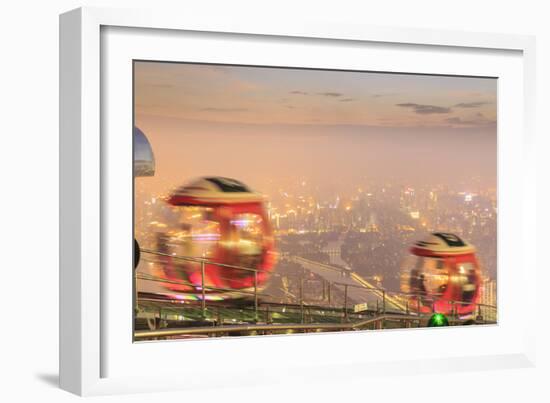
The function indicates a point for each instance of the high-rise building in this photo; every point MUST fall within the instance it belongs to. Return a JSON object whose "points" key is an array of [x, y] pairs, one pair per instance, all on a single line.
{"points": [[489, 292], [489, 297]]}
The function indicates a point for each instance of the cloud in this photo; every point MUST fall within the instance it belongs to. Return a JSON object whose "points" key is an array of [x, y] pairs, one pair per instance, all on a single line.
{"points": [[325, 94], [347, 100], [224, 109], [425, 109], [471, 104], [477, 120], [331, 94], [454, 121], [387, 94]]}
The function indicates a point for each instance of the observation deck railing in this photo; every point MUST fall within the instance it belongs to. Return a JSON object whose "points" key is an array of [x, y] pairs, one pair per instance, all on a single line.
{"points": [[385, 301]]}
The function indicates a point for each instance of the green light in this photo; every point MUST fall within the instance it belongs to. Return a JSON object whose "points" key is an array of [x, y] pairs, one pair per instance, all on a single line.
{"points": [[438, 319]]}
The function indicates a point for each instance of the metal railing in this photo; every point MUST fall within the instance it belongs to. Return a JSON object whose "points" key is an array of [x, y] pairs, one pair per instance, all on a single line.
{"points": [[203, 287], [375, 322], [255, 293], [383, 295]]}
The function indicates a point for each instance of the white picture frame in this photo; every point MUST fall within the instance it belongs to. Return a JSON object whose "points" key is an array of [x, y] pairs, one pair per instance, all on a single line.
{"points": [[96, 352]]}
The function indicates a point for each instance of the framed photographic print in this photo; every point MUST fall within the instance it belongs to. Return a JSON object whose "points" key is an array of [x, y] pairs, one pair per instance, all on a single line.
{"points": [[299, 197], [353, 174]]}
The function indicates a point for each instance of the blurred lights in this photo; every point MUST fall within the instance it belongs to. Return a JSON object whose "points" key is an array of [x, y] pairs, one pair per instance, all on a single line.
{"points": [[438, 320]]}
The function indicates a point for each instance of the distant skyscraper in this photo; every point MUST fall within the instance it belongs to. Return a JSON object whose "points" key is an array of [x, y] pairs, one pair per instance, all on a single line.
{"points": [[489, 292], [489, 297]]}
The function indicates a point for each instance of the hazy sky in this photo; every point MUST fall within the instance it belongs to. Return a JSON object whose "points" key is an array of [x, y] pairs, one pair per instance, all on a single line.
{"points": [[255, 123]]}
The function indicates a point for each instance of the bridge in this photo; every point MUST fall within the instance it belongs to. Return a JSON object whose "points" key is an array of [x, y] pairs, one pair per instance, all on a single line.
{"points": [[354, 286]]}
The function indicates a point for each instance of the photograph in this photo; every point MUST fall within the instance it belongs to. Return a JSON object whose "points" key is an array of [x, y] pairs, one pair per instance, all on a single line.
{"points": [[275, 200]]}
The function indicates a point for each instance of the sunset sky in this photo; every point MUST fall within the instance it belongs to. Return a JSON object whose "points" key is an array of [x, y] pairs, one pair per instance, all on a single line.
{"points": [[253, 123]]}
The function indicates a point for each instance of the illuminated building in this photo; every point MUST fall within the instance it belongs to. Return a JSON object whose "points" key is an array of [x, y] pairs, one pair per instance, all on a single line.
{"points": [[489, 292]]}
